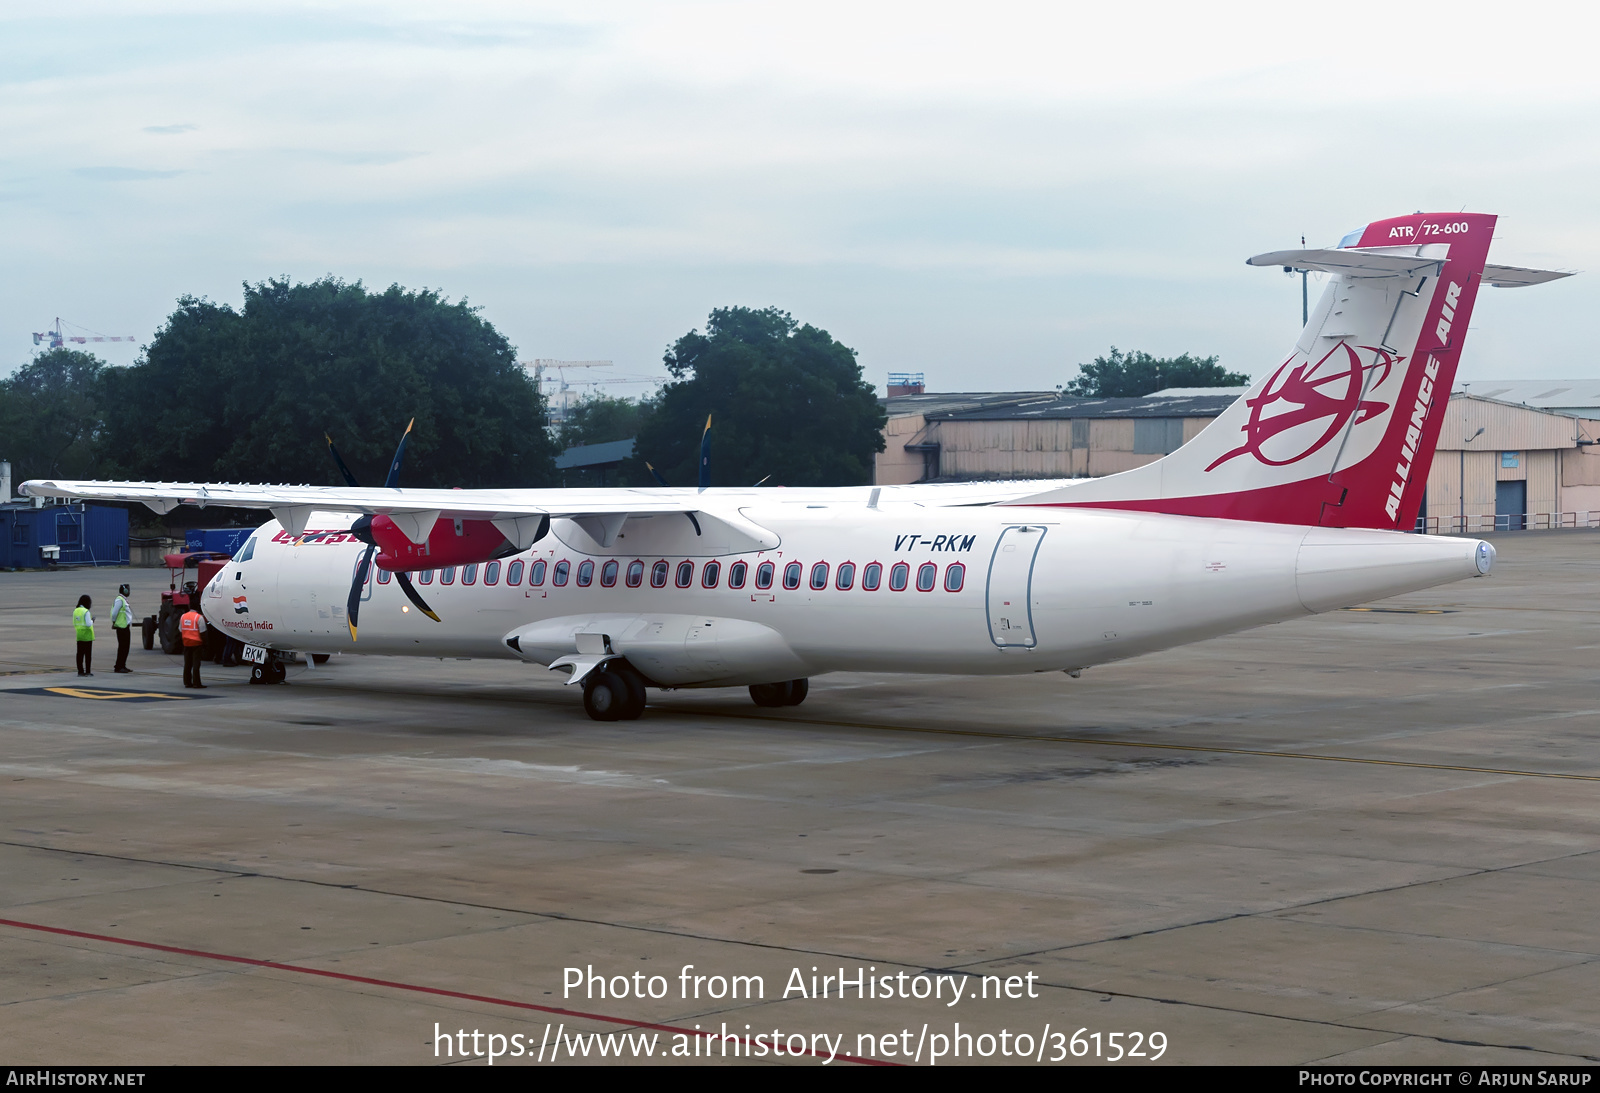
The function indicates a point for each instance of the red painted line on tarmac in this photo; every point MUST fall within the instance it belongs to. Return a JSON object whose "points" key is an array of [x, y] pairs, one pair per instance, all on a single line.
{"points": [[396, 985]]}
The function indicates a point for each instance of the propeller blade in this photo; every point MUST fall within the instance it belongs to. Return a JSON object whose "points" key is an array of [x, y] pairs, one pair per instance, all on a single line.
{"points": [[411, 594], [705, 455], [394, 467], [353, 605], [349, 479], [656, 474]]}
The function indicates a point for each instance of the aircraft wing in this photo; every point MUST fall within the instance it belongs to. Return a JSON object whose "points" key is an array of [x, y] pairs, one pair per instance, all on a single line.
{"points": [[518, 513], [163, 497]]}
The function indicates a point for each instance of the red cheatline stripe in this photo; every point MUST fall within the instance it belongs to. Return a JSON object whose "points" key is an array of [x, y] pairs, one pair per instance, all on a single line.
{"points": [[493, 1001]]}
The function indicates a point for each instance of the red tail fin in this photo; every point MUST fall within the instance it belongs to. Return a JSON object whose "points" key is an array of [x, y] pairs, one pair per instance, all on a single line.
{"points": [[1342, 433]]}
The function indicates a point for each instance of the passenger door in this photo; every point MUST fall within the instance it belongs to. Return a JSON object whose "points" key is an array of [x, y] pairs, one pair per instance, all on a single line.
{"points": [[1010, 604]]}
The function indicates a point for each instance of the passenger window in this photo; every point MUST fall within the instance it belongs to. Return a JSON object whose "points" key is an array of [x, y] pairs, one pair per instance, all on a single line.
{"points": [[736, 573], [819, 576], [536, 573], [635, 573], [685, 574], [847, 575], [562, 571], [514, 572], [383, 576], [608, 574], [927, 576], [469, 574], [491, 573], [899, 574], [764, 575], [709, 575], [447, 575], [955, 575], [658, 575], [426, 578], [791, 575], [871, 577], [585, 574]]}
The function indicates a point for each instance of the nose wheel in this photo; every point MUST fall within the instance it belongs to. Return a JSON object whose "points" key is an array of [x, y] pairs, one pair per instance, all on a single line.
{"points": [[270, 672], [789, 693], [614, 692]]}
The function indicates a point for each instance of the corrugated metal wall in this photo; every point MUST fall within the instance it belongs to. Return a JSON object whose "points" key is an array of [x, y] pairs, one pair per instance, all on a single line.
{"points": [[1048, 448], [1506, 428], [894, 465]]}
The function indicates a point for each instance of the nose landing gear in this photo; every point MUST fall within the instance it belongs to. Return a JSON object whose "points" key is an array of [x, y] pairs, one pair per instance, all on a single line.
{"points": [[270, 672], [789, 693]]}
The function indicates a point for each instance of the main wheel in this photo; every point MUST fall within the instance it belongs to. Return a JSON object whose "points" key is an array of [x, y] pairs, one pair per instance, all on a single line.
{"points": [[788, 693], [634, 682], [606, 695], [770, 695]]}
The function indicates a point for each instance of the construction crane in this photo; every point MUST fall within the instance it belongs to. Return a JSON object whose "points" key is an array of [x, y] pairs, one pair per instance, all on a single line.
{"points": [[58, 340], [542, 365]]}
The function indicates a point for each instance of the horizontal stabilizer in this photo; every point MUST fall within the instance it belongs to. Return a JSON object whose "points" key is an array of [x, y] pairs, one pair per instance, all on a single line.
{"points": [[1360, 262], [1517, 277]]}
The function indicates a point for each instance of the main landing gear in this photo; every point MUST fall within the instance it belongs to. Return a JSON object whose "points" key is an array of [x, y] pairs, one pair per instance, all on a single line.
{"points": [[614, 692], [790, 693]]}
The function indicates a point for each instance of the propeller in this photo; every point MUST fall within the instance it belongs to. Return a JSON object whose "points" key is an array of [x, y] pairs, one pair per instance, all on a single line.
{"points": [[705, 455], [361, 530], [349, 479]]}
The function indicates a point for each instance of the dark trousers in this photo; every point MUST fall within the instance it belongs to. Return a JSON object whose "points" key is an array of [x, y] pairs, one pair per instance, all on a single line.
{"points": [[124, 639], [191, 665], [85, 648]]}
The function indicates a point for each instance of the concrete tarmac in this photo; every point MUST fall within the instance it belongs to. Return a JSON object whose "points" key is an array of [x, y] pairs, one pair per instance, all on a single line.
{"points": [[1367, 837]]}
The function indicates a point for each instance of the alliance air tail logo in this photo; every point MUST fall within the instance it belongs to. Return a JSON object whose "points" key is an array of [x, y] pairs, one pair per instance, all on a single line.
{"points": [[241, 605], [1302, 408]]}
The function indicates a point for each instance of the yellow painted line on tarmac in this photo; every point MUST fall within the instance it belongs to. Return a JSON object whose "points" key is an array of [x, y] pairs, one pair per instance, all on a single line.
{"points": [[88, 692], [1134, 744]]}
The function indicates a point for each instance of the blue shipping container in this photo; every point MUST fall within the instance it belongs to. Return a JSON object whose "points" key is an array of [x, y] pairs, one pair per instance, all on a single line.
{"points": [[85, 535]]}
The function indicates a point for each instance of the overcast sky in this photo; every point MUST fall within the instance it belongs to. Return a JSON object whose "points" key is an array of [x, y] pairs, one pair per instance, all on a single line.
{"points": [[989, 193]]}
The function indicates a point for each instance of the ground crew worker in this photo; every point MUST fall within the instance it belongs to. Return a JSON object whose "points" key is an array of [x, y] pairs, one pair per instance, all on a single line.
{"points": [[121, 619], [84, 622], [191, 626]]}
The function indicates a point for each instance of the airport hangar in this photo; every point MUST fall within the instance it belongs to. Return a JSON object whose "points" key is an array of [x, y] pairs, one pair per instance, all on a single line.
{"points": [[1501, 464]]}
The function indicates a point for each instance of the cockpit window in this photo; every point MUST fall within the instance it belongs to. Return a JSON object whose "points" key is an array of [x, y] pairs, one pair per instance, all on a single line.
{"points": [[246, 551]]}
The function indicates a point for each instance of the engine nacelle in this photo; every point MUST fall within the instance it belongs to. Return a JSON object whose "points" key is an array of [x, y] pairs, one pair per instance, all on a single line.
{"points": [[451, 542]]}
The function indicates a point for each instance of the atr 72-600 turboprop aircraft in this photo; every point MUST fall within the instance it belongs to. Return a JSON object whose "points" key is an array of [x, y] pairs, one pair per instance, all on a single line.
{"points": [[1297, 499]]}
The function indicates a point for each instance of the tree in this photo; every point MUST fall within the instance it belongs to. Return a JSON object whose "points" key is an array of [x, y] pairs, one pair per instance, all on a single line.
{"points": [[50, 416], [1130, 375], [786, 401], [247, 395], [601, 418]]}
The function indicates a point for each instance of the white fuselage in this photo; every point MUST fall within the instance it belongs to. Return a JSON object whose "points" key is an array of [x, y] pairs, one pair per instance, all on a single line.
{"points": [[1014, 590]]}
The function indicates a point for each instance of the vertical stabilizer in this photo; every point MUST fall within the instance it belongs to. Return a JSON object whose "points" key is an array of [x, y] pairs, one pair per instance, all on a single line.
{"points": [[1342, 432]]}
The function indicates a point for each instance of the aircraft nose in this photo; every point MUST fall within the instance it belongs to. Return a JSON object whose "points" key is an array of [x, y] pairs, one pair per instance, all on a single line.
{"points": [[1485, 557]]}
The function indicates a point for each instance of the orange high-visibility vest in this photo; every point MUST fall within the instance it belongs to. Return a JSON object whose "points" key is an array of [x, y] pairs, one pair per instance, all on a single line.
{"points": [[189, 627]]}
